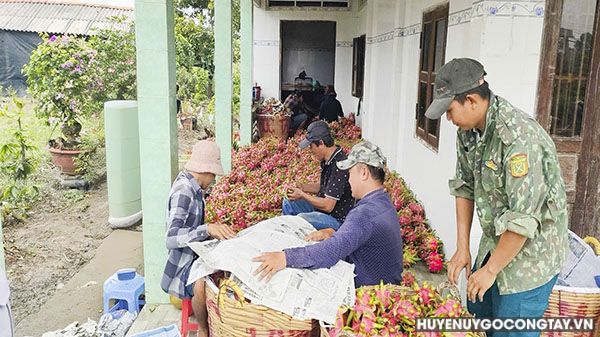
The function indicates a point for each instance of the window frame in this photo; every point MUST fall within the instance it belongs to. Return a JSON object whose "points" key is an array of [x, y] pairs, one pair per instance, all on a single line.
{"points": [[359, 45], [428, 77], [547, 74]]}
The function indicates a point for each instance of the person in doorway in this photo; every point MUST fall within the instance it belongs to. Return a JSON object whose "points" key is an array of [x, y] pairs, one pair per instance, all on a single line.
{"points": [[324, 205], [369, 237], [506, 166], [185, 223], [331, 108], [294, 102]]}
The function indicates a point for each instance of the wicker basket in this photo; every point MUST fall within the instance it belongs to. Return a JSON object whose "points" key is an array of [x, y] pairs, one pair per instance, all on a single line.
{"points": [[233, 318], [273, 126], [574, 302], [396, 290]]}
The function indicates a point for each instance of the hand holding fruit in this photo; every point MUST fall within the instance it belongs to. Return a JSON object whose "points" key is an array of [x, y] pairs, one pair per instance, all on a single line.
{"points": [[294, 193]]}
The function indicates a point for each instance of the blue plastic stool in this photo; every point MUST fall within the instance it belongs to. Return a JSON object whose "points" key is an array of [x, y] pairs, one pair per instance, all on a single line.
{"points": [[125, 287]]}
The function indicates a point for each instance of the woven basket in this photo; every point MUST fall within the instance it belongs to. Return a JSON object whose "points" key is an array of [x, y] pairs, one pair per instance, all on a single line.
{"points": [[574, 302], [235, 318], [396, 290]]}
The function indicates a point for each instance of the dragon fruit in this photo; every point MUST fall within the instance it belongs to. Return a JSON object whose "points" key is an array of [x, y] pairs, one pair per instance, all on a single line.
{"points": [[416, 208], [373, 317], [431, 243], [425, 294], [435, 262], [404, 220], [405, 310], [409, 258], [418, 219], [408, 278], [448, 308], [409, 234]]}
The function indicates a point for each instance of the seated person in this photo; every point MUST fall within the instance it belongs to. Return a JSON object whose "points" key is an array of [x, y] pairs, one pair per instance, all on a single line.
{"points": [[331, 108], [295, 102], [369, 237], [185, 223], [333, 200]]}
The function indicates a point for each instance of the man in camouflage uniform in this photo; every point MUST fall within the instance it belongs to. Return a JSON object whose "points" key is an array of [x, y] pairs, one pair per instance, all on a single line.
{"points": [[506, 166]]}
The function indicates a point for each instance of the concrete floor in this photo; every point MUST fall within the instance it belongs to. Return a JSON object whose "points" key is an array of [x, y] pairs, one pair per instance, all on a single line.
{"points": [[81, 297]]}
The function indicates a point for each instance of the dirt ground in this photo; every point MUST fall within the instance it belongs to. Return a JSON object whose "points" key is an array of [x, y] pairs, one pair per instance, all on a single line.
{"points": [[58, 238], [43, 253]]}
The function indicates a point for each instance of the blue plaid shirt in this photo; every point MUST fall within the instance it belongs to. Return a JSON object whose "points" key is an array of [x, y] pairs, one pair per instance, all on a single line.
{"points": [[185, 223]]}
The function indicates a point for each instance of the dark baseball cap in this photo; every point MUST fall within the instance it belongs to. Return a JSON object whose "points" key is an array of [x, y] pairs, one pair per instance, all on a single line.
{"points": [[455, 77], [315, 132]]}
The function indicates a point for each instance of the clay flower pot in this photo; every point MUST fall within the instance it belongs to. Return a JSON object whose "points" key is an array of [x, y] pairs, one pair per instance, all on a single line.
{"points": [[65, 159]]}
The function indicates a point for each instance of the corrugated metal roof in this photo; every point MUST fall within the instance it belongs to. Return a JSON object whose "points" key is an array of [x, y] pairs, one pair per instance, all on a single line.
{"points": [[58, 18]]}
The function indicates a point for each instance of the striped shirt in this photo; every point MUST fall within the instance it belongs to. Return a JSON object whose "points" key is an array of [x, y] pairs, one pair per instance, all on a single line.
{"points": [[185, 223]]}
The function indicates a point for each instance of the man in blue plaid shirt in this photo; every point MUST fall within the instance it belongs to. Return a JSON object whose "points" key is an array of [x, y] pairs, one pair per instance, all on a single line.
{"points": [[185, 223]]}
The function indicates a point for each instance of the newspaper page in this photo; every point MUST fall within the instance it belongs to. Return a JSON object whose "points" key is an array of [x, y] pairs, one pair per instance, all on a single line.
{"points": [[581, 265], [301, 293]]}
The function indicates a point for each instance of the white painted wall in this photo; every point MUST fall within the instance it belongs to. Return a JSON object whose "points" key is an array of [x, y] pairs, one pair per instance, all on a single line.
{"points": [[505, 36], [267, 52], [507, 43]]}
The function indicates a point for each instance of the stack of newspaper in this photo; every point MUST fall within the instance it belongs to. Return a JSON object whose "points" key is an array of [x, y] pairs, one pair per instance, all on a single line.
{"points": [[300, 293], [581, 265]]}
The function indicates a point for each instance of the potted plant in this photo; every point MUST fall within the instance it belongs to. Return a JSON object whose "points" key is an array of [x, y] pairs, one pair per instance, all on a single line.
{"points": [[187, 116], [63, 76]]}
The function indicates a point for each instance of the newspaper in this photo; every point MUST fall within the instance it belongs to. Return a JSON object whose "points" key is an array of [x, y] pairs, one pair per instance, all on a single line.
{"points": [[581, 265], [300, 293]]}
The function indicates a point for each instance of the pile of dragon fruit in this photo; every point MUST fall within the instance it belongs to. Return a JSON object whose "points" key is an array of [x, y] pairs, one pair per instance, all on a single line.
{"points": [[379, 311], [254, 189]]}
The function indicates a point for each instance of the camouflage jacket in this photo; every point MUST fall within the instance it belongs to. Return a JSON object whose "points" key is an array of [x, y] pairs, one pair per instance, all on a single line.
{"points": [[512, 173]]}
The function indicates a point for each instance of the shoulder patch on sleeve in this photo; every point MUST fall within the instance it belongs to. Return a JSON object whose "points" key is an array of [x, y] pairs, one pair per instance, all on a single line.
{"points": [[518, 165]]}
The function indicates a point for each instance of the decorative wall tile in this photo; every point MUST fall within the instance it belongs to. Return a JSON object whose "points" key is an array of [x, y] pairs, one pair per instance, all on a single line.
{"points": [[344, 44], [266, 43], [459, 17], [508, 8]]}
